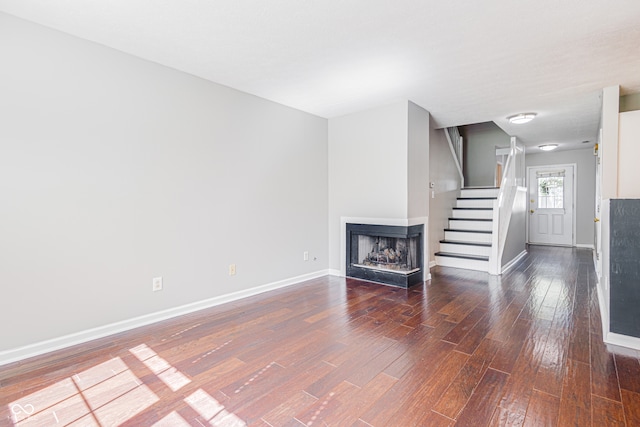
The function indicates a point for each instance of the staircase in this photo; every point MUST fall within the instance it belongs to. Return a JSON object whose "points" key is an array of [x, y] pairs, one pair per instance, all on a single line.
{"points": [[467, 241]]}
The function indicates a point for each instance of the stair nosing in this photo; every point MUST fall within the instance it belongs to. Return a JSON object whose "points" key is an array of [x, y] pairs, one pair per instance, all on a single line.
{"points": [[468, 231], [477, 198], [473, 208], [462, 256], [462, 242], [471, 219]]}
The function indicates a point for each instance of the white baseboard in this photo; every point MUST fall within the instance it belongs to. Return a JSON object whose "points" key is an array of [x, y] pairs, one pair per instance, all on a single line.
{"points": [[335, 272], [604, 311], [622, 340], [513, 262], [585, 246], [432, 264], [31, 350]]}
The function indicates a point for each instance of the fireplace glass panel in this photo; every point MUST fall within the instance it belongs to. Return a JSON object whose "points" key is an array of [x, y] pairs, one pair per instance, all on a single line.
{"points": [[394, 254]]}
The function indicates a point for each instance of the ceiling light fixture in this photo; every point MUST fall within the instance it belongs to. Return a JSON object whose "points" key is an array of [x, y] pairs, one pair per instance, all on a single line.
{"points": [[548, 147], [521, 118]]}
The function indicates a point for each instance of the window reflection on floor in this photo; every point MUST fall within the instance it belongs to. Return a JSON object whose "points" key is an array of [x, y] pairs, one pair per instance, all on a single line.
{"points": [[110, 394], [106, 394]]}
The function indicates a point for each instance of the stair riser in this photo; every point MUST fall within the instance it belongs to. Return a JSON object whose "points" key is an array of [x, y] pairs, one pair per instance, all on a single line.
{"points": [[479, 214], [461, 236], [471, 225], [475, 203], [465, 249], [469, 264], [479, 192]]}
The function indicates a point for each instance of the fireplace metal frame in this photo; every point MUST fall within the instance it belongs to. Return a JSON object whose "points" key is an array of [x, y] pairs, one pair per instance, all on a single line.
{"points": [[386, 277]]}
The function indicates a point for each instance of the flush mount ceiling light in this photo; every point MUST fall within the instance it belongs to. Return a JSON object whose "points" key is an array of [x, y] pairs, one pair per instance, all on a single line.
{"points": [[521, 118], [548, 147]]}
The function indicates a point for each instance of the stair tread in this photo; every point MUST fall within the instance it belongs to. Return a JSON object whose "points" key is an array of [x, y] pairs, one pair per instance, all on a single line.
{"points": [[474, 208], [477, 198], [455, 255], [467, 231], [471, 219], [480, 188], [462, 242]]}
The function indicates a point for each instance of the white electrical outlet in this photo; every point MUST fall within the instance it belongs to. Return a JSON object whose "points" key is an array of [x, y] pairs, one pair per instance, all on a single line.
{"points": [[305, 256], [232, 269], [157, 284]]}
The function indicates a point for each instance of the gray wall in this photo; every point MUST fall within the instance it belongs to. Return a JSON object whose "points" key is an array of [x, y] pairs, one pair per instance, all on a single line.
{"points": [[516, 240], [630, 102], [480, 142], [114, 170], [444, 174], [585, 186]]}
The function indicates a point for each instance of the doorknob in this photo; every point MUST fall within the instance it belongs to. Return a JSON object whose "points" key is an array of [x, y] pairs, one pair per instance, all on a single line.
{"points": [[596, 219], [531, 211]]}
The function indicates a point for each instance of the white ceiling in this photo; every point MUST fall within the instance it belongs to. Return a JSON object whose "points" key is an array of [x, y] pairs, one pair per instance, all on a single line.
{"points": [[465, 61]]}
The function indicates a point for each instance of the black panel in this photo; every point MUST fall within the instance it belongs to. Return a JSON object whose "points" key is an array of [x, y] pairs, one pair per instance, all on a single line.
{"points": [[381, 276], [624, 267]]}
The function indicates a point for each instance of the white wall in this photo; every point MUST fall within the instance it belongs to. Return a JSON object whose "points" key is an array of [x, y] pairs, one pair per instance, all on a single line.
{"points": [[367, 168], [585, 186], [418, 160], [629, 153], [444, 174], [114, 170]]}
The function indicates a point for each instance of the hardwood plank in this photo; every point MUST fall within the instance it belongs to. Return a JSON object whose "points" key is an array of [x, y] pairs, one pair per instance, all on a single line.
{"points": [[465, 325], [631, 405], [553, 364], [605, 412], [507, 355], [484, 400], [414, 410], [463, 385], [285, 411], [628, 372], [543, 410], [575, 403], [604, 376]]}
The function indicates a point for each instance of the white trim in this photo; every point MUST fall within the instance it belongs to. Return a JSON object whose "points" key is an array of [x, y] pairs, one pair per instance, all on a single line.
{"points": [[432, 264], [604, 313], [574, 201], [31, 350], [334, 272], [585, 246], [622, 340], [514, 261]]}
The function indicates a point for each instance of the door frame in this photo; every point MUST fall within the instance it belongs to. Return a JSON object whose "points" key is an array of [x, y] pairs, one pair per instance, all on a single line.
{"points": [[575, 195]]}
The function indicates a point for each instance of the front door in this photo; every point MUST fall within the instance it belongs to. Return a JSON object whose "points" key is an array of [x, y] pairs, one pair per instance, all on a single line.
{"points": [[551, 200]]}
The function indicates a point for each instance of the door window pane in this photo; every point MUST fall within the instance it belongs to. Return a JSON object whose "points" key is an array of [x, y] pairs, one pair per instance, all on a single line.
{"points": [[550, 192]]}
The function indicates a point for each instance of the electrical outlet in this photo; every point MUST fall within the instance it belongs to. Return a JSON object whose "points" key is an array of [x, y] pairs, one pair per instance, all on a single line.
{"points": [[305, 256], [232, 269], [157, 284]]}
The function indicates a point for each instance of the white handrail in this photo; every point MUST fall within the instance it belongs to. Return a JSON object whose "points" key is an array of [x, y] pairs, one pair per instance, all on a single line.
{"points": [[456, 146]]}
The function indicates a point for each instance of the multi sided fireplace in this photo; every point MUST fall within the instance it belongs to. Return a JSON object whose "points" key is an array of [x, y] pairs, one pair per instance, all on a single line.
{"points": [[384, 253]]}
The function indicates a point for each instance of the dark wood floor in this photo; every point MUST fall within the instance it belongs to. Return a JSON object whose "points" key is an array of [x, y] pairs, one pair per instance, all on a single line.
{"points": [[465, 349]]}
